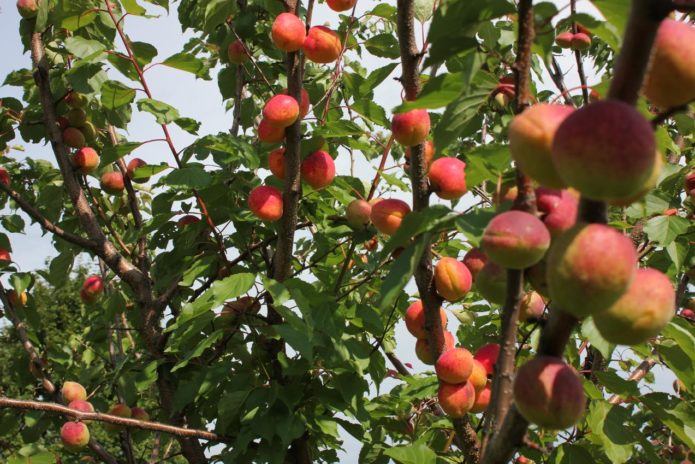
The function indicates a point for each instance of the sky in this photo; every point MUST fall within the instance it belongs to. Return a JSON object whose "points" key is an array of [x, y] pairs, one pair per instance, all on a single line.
{"points": [[201, 100]]}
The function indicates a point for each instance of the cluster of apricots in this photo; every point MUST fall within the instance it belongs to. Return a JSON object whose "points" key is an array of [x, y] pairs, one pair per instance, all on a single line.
{"points": [[580, 40], [75, 434]]}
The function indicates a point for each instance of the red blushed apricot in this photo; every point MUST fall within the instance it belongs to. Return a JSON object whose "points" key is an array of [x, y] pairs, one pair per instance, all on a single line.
{"points": [[93, 285], [644, 309], [648, 185], [73, 391], [670, 80], [28, 8], [474, 260], [341, 5], [452, 279], [318, 169], [531, 136], [589, 267], [548, 393], [532, 307], [515, 240], [581, 41], [4, 177], [564, 39], [322, 45], [120, 410], [487, 355], [605, 150], [140, 414], [17, 301], [423, 352], [456, 399], [558, 208], [288, 32], [81, 405], [448, 178], [478, 377], [236, 52], [73, 138], [5, 255], [281, 110], [491, 283], [357, 213], [482, 399], [304, 104], [411, 128], [132, 166], [454, 366], [387, 215], [112, 182], [187, 220], [266, 203], [74, 435], [86, 160], [276, 162], [428, 153], [267, 133], [415, 319]]}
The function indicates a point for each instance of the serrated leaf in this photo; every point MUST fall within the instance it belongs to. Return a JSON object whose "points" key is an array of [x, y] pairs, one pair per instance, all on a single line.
{"points": [[677, 414], [190, 125], [591, 333], [383, 46], [116, 152], [401, 271], [570, 454], [83, 48], [678, 350], [114, 94], [340, 128], [486, 162], [664, 229], [609, 427], [416, 453], [132, 7], [457, 116], [192, 177], [187, 62], [436, 93], [423, 10], [163, 113]]}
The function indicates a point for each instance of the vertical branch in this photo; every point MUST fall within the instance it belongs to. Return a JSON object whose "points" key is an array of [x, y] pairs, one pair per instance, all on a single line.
{"points": [[578, 57]]}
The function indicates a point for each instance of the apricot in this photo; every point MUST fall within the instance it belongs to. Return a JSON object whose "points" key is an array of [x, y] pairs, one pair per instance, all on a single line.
{"points": [[28, 8], [73, 137], [86, 160], [188, 219], [482, 399], [387, 215], [452, 279], [532, 307], [132, 166], [605, 150], [5, 255], [89, 131], [341, 5], [648, 185], [506, 194], [288, 32], [73, 391], [236, 52], [670, 80], [454, 366], [581, 41], [17, 301], [589, 267], [428, 153], [478, 377], [74, 435], [456, 399], [81, 405], [120, 410], [76, 117], [318, 169], [411, 128], [87, 298], [112, 182], [267, 133], [558, 209], [641, 312], [448, 178], [548, 393], [4, 177], [281, 111], [564, 39], [75, 100], [689, 184], [276, 162], [415, 319], [491, 283], [515, 239], [487, 355], [266, 203], [322, 45], [423, 352], [531, 136], [474, 260], [140, 414], [358, 213]]}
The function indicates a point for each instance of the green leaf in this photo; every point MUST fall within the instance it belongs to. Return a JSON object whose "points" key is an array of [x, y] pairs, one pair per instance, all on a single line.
{"points": [[163, 113], [678, 350], [437, 92], [486, 162], [423, 10], [616, 384], [665, 229], [339, 128], [132, 7], [116, 152], [591, 333], [216, 12], [616, 13], [190, 125], [375, 78], [416, 453], [383, 46], [115, 94], [194, 177], [187, 62], [457, 116], [83, 48], [401, 271], [677, 414], [416, 223], [570, 454], [609, 427]]}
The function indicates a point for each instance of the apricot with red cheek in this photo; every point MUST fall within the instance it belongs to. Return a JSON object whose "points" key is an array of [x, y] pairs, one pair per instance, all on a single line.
{"points": [[81, 405], [358, 213], [487, 355], [532, 307], [456, 399], [74, 435], [589, 267], [140, 414], [448, 178], [322, 45], [482, 399], [318, 169], [28, 8], [478, 377], [670, 80], [236, 52], [86, 160], [558, 209], [452, 279], [411, 128], [605, 150], [75, 100], [531, 135], [474, 260], [276, 162], [267, 133], [133, 165], [281, 111], [187, 220], [304, 104], [387, 215], [120, 410], [581, 41], [548, 393], [4, 177], [641, 312], [423, 352], [73, 137], [564, 39], [288, 32], [341, 5], [112, 182], [17, 301], [454, 366], [515, 240], [415, 319], [5, 255], [491, 283], [73, 391], [266, 203]]}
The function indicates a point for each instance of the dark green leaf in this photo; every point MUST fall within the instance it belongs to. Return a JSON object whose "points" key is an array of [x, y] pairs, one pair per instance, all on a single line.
{"points": [[163, 113]]}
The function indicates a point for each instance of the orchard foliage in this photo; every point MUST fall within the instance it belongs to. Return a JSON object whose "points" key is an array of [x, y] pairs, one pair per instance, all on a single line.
{"points": [[245, 294]]}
